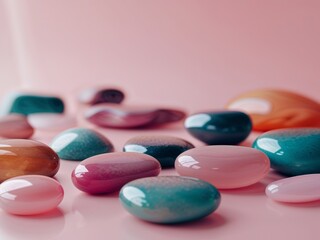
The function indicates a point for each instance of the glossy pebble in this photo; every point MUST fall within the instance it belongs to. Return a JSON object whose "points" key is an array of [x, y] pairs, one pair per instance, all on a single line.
{"points": [[30, 195], [108, 172], [119, 116], [164, 148], [292, 151], [51, 121], [223, 127], [25, 104], [225, 167], [273, 109], [26, 157], [101, 95], [169, 199], [299, 189], [15, 126], [80, 143]]}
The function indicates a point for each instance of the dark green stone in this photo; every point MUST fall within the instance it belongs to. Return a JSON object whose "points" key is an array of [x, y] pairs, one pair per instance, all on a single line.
{"points": [[224, 127], [292, 151]]}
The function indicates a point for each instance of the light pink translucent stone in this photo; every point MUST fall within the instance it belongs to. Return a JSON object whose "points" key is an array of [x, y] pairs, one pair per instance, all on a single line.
{"points": [[299, 189], [51, 121], [30, 194], [15, 126], [225, 167]]}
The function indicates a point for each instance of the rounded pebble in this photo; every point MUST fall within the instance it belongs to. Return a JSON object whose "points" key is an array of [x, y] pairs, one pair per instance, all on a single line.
{"points": [[108, 172], [30, 195], [225, 167], [169, 199], [51, 121], [26, 157], [293, 151], [164, 148], [80, 143], [101, 95], [15, 126], [223, 127]]}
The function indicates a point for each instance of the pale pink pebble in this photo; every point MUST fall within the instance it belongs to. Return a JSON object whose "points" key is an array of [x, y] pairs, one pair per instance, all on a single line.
{"points": [[52, 121], [15, 126], [298, 189], [30, 194], [225, 167]]}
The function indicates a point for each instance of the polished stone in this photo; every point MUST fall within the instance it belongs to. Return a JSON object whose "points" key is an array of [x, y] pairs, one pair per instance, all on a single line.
{"points": [[52, 121], [164, 148], [15, 126], [108, 172], [293, 151], [169, 199], [101, 95]]}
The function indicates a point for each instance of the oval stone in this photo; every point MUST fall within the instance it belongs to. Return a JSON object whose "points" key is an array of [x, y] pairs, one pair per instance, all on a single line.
{"points": [[101, 95], [293, 151], [52, 121], [108, 172], [15, 126], [298, 189], [225, 167], [273, 109], [223, 127], [169, 199], [26, 157], [80, 143], [29, 195], [164, 148]]}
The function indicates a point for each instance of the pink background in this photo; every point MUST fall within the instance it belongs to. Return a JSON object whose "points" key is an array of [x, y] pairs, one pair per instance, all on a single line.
{"points": [[192, 54]]}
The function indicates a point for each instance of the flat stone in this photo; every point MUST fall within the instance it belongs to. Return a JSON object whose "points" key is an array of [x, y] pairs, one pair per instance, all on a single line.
{"points": [[101, 95], [108, 172], [293, 151], [273, 109], [80, 143], [169, 199], [225, 167], [30, 195], [164, 148], [15, 126], [219, 127], [26, 157], [51, 121]]}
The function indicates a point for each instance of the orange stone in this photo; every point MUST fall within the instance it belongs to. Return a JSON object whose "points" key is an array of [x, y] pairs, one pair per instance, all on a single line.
{"points": [[26, 157]]}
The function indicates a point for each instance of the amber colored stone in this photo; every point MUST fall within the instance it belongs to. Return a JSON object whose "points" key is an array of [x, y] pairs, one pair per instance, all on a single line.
{"points": [[26, 157]]}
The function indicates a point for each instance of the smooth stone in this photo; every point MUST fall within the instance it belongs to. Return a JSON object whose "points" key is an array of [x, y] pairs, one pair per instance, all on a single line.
{"points": [[26, 157], [164, 148], [25, 104], [299, 189], [169, 199], [52, 121], [15, 126], [226, 167], [108, 172], [80, 143], [220, 127], [293, 151], [101, 95], [30, 195], [273, 109], [119, 116]]}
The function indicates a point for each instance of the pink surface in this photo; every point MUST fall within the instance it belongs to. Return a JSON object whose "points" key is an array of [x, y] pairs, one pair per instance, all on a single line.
{"points": [[192, 54]]}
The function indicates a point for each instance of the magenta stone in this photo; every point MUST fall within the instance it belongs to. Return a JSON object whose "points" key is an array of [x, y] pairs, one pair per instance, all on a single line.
{"points": [[299, 189], [108, 172]]}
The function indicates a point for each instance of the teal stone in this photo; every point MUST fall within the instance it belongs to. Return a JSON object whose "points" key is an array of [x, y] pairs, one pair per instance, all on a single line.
{"points": [[163, 148], [223, 127], [26, 104], [80, 143], [293, 151], [169, 199]]}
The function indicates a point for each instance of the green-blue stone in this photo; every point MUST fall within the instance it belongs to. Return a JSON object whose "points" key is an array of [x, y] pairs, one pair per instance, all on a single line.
{"points": [[80, 143], [223, 127], [292, 151], [169, 199]]}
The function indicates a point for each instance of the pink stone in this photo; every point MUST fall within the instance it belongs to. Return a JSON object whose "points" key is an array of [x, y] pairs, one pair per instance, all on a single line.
{"points": [[15, 126], [299, 189], [120, 116], [30, 194], [51, 121], [108, 172], [225, 167]]}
